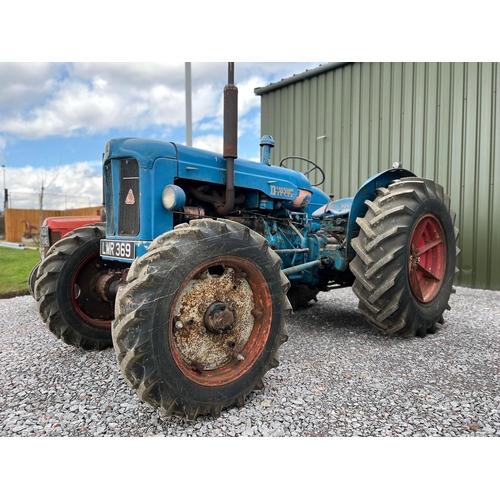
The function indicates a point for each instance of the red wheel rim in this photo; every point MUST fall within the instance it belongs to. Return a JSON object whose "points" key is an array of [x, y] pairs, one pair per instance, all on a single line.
{"points": [[427, 259], [214, 359]]}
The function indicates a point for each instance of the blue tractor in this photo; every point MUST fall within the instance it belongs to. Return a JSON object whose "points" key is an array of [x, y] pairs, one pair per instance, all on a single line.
{"points": [[202, 255]]}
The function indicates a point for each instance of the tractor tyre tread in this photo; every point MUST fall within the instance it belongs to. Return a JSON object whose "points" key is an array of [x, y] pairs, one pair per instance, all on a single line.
{"points": [[149, 283], [382, 247], [52, 300]]}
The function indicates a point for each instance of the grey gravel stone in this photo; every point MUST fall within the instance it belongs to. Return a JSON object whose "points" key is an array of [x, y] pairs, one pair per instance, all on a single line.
{"points": [[337, 377]]}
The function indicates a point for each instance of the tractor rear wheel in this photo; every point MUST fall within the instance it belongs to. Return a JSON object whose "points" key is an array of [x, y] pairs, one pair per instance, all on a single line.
{"points": [[201, 319], [65, 289], [405, 260]]}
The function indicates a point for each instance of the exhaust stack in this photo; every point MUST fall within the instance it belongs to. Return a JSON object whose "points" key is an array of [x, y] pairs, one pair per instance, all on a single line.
{"points": [[230, 148]]}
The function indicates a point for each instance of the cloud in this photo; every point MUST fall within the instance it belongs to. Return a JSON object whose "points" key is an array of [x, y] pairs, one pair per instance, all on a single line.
{"points": [[209, 142], [70, 186], [94, 107], [247, 100], [39, 100], [93, 98], [89, 97], [27, 85]]}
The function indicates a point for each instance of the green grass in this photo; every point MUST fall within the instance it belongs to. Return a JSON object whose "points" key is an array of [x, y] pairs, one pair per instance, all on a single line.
{"points": [[15, 267]]}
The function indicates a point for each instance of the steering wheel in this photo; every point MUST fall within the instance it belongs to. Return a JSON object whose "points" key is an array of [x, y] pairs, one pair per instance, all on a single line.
{"points": [[315, 167]]}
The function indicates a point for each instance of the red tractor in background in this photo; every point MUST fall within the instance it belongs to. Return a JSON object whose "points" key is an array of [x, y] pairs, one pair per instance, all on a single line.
{"points": [[52, 230]]}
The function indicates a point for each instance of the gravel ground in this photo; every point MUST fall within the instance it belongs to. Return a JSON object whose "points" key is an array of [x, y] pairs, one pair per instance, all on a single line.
{"points": [[337, 377]]}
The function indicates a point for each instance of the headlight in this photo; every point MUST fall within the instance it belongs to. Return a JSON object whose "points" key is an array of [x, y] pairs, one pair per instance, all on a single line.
{"points": [[173, 197]]}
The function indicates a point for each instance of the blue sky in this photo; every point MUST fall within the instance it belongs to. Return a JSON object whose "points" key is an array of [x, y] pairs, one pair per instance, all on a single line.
{"points": [[55, 118]]}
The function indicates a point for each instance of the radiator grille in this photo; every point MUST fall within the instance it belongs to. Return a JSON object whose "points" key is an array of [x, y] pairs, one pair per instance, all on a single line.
{"points": [[109, 198], [128, 212]]}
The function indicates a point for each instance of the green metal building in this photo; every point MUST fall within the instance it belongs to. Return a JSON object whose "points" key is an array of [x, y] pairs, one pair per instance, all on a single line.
{"points": [[440, 120]]}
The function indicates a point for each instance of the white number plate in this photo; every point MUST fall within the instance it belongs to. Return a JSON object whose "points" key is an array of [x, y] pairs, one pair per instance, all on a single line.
{"points": [[118, 249], [44, 236]]}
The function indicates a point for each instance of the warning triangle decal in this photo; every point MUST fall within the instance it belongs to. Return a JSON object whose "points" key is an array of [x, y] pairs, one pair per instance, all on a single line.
{"points": [[130, 199]]}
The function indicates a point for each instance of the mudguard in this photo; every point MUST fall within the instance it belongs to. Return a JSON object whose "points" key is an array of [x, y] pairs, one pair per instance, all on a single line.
{"points": [[368, 191]]}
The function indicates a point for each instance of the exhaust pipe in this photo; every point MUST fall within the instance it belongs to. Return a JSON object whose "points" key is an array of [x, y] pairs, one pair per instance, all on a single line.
{"points": [[230, 148]]}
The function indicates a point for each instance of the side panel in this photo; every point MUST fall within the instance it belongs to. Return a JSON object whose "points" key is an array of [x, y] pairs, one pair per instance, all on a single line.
{"points": [[162, 174]]}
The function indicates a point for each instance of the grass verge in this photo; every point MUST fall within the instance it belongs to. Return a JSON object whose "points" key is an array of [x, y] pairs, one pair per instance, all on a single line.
{"points": [[15, 267]]}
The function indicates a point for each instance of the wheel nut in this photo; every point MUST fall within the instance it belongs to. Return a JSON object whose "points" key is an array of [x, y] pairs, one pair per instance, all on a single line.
{"points": [[179, 325]]}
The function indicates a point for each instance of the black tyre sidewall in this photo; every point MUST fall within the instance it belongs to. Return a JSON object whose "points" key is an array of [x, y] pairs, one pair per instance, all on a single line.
{"points": [[164, 361], [32, 279]]}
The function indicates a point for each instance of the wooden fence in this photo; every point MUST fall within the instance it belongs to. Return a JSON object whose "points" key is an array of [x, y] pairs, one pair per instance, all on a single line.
{"points": [[19, 223]]}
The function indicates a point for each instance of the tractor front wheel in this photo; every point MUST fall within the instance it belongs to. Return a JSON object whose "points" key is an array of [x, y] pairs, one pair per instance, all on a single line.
{"points": [[65, 289], [201, 319], [405, 260]]}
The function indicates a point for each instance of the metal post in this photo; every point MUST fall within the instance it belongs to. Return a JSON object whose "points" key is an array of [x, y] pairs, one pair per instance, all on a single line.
{"points": [[4, 190], [189, 119]]}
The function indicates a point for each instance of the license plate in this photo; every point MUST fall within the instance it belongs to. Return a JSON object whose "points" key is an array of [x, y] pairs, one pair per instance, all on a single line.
{"points": [[44, 236], [118, 249]]}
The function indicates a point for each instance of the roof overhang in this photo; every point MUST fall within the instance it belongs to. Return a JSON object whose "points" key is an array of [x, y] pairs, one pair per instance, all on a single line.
{"points": [[300, 77]]}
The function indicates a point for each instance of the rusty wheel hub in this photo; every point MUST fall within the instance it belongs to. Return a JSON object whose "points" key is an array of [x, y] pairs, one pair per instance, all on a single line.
{"points": [[220, 321], [219, 318]]}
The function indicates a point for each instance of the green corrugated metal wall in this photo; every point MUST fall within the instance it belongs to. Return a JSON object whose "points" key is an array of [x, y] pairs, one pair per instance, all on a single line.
{"points": [[441, 120]]}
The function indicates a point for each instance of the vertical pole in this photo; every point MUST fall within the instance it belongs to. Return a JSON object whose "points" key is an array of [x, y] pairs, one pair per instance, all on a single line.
{"points": [[4, 190], [40, 200], [189, 119], [4, 205]]}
